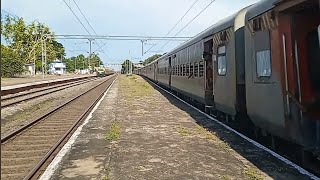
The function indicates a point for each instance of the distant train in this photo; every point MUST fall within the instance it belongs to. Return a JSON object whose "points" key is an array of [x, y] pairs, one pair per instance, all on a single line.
{"points": [[262, 65], [103, 71]]}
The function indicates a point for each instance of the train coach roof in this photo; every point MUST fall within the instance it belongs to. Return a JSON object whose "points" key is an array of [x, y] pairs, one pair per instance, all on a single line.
{"points": [[219, 26], [260, 8]]}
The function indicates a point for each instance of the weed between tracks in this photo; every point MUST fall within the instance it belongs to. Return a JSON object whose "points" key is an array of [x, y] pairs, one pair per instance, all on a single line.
{"points": [[114, 132]]}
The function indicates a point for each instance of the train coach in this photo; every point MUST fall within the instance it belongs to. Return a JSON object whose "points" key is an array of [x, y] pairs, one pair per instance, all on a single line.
{"points": [[259, 68]]}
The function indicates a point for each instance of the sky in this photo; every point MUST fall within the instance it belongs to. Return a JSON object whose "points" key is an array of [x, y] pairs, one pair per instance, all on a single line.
{"points": [[125, 17]]}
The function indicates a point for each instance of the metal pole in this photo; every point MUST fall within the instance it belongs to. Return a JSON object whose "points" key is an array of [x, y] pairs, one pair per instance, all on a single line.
{"points": [[42, 56], [34, 63], [75, 64], [83, 63], [142, 47], [90, 40], [45, 56]]}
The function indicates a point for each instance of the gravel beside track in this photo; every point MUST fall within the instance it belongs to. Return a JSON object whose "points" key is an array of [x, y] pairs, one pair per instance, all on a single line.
{"points": [[21, 97], [20, 114], [21, 153]]}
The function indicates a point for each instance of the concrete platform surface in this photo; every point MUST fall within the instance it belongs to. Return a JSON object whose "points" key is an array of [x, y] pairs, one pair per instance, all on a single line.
{"points": [[139, 132], [9, 83]]}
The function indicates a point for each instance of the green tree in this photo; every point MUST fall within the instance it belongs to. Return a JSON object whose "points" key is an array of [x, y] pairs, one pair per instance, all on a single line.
{"points": [[10, 63], [24, 42], [152, 58], [125, 66], [95, 60]]}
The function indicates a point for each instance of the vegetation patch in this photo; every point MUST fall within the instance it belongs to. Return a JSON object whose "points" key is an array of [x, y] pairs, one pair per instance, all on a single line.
{"points": [[184, 131], [105, 178], [206, 134], [252, 174], [226, 177], [134, 87], [114, 132]]}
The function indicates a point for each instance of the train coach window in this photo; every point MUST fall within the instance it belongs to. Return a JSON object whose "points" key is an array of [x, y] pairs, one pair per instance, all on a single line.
{"points": [[263, 63], [191, 69], [196, 69], [187, 69], [222, 62], [183, 69], [201, 69]]}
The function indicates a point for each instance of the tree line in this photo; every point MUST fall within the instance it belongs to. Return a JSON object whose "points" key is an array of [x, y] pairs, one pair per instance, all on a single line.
{"points": [[23, 46], [125, 64]]}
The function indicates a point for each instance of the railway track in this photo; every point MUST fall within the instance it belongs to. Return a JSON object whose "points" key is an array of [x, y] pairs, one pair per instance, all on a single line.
{"points": [[25, 96], [28, 150]]}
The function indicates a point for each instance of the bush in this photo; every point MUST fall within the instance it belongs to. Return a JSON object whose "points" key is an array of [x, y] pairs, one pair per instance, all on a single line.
{"points": [[11, 65]]}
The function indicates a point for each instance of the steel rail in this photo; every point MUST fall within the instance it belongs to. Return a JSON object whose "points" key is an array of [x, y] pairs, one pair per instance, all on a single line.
{"points": [[43, 94], [44, 89], [17, 131], [61, 140]]}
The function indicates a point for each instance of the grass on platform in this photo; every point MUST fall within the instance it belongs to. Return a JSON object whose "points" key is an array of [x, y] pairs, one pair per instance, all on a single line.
{"points": [[252, 174], [133, 87], [184, 131], [113, 133]]}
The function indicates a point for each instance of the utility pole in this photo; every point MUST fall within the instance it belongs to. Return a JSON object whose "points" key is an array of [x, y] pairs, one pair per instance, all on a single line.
{"points": [[142, 41], [75, 64], [45, 56], [34, 63], [83, 63], [42, 56], [90, 51]]}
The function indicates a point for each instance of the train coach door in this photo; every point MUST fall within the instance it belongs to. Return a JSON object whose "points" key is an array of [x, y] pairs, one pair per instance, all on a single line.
{"points": [[170, 72], [207, 56], [304, 20]]}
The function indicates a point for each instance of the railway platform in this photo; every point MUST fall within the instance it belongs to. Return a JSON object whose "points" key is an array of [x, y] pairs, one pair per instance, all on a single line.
{"points": [[138, 131]]}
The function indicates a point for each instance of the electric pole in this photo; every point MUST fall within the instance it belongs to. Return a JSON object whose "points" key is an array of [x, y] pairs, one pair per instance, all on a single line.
{"points": [[45, 55], [90, 51], [42, 56]]}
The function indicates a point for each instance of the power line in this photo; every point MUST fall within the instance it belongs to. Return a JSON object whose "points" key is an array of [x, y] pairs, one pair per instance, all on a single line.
{"points": [[10, 13], [88, 24], [80, 22], [77, 17], [174, 25], [188, 23], [84, 17], [100, 47]]}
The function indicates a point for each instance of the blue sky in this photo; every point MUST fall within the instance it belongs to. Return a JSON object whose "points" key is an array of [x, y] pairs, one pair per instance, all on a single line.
{"points": [[125, 17]]}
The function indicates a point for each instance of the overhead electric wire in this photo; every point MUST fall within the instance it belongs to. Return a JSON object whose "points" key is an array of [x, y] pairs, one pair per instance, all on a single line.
{"points": [[77, 17], [89, 25], [80, 21], [174, 25], [10, 13], [188, 23]]}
